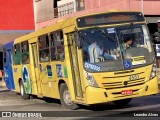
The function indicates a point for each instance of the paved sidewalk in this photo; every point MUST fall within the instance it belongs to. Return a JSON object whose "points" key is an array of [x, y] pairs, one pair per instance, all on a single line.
{"points": [[2, 86], [3, 89]]}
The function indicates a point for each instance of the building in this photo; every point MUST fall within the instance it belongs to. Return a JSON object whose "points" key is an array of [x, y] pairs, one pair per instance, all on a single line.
{"points": [[62, 9], [17, 19]]}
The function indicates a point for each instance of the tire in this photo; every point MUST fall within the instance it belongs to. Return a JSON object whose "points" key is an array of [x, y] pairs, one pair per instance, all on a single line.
{"points": [[65, 98], [23, 93], [122, 102]]}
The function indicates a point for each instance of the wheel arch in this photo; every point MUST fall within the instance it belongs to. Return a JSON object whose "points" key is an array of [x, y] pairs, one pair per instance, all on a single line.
{"points": [[64, 86], [19, 80], [60, 82]]}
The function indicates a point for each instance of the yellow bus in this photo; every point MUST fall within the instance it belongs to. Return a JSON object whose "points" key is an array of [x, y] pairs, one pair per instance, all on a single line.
{"points": [[87, 60]]}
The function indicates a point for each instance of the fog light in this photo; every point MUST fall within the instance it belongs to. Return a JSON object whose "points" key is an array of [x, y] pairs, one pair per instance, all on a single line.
{"points": [[91, 81], [153, 69], [153, 74]]}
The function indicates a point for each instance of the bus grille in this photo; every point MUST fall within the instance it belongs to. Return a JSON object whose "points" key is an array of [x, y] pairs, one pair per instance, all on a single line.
{"points": [[130, 83]]}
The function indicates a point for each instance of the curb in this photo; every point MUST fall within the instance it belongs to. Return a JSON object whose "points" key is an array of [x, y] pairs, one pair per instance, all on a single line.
{"points": [[4, 90], [2, 83]]}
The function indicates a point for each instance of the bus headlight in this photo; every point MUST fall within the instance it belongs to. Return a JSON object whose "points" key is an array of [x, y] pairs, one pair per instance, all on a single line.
{"points": [[91, 81], [154, 69], [153, 72]]}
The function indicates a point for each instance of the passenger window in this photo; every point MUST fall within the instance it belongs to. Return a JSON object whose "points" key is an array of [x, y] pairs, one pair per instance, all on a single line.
{"points": [[17, 54], [57, 45], [52, 46], [25, 52], [43, 43], [4, 57]]}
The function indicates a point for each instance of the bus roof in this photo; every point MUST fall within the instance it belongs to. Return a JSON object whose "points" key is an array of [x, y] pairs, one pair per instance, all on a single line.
{"points": [[8, 45], [48, 29], [60, 24], [108, 11]]}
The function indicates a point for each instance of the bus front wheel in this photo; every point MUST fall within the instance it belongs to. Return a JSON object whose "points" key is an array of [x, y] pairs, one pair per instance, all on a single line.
{"points": [[65, 98], [23, 93], [122, 102]]}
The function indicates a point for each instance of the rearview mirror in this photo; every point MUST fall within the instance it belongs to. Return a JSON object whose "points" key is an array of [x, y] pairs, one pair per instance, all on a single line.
{"points": [[77, 39]]}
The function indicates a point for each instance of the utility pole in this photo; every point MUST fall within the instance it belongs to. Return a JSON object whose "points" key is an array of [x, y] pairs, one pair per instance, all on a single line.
{"points": [[142, 6]]}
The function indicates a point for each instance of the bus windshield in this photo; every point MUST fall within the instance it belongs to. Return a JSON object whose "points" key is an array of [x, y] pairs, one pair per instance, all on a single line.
{"points": [[116, 48]]}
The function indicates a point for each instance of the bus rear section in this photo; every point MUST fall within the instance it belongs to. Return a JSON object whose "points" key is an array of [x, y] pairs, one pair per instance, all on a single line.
{"points": [[7, 65]]}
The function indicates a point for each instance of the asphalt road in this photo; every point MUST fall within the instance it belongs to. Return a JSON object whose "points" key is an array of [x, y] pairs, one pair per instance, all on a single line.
{"points": [[51, 108]]}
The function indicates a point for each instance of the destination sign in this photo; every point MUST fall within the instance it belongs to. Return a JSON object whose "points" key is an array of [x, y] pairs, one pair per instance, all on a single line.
{"points": [[109, 18]]}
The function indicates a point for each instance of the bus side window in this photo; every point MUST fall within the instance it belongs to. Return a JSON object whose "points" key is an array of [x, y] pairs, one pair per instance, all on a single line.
{"points": [[60, 45], [52, 46], [43, 42], [4, 57], [60, 50], [17, 54], [25, 52], [57, 45]]}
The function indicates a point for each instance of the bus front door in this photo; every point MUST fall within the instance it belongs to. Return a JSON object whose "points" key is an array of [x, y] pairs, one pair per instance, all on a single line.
{"points": [[73, 53], [36, 69]]}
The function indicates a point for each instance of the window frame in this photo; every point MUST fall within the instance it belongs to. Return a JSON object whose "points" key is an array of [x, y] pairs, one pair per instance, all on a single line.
{"points": [[22, 52], [46, 48], [4, 57], [58, 42], [15, 50]]}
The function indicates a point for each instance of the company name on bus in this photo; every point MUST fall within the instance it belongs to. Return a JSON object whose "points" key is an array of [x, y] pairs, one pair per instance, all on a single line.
{"points": [[92, 67]]}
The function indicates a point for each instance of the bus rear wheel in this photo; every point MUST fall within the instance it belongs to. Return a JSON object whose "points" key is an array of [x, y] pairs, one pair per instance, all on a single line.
{"points": [[23, 93], [65, 98], [122, 102]]}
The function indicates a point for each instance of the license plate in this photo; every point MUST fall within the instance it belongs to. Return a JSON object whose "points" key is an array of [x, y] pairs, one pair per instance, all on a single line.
{"points": [[126, 92]]}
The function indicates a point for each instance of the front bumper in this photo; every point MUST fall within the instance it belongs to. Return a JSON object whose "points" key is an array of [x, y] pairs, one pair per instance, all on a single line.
{"points": [[101, 95]]}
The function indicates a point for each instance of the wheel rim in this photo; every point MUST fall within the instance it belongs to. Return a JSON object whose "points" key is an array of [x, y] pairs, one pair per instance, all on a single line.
{"points": [[66, 97], [22, 90]]}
